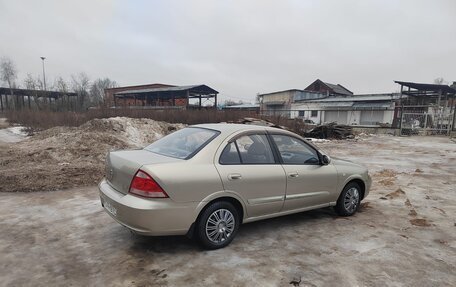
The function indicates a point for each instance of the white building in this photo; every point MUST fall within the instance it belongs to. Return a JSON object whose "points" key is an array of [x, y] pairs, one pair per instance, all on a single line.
{"points": [[367, 110]]}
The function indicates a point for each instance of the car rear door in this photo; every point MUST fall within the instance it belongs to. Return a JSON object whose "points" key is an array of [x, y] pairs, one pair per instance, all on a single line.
{"points": [[309, 183], [248, 167]]}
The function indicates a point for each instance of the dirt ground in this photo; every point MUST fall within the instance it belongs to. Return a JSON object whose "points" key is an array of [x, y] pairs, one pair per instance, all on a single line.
{"points": [[64, 157], [404, 234]]}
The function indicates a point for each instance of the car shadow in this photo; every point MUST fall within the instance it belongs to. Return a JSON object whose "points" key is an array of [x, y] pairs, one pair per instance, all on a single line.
{"points": [[179, 244], [163, 244]]}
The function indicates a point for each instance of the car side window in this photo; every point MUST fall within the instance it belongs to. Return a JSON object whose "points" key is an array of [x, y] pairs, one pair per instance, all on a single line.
{"points": [[230, 155], [255, 149], [295, 151]]}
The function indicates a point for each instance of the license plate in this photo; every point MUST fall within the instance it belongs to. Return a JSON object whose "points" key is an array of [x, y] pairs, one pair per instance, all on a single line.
{"points": [[111, 209]]}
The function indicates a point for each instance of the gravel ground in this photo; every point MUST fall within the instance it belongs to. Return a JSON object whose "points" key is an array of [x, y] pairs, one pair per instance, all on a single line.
{"points": [[404, 234]]}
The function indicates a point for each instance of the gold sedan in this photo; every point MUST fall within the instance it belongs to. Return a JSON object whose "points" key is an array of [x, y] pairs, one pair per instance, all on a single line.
{"points": [[206, 180]]}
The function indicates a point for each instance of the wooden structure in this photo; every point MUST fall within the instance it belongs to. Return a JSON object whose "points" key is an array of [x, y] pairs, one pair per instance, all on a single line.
{"points": [[13, 99], [164, 97], [329, 89]]}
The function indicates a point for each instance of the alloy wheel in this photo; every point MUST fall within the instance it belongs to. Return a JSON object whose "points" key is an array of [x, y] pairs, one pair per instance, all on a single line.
{"points": [[220, 225], [351, 199]]}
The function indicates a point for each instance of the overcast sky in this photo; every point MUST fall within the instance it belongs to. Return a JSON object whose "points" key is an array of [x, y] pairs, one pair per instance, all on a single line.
{"points": [[239, 48]]}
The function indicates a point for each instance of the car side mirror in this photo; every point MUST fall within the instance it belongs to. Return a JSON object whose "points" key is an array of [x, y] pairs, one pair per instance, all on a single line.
{"points": [[325, 160]]}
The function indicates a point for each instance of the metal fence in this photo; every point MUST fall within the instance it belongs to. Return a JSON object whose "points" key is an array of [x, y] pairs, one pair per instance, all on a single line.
{"points": [[426, 124]]}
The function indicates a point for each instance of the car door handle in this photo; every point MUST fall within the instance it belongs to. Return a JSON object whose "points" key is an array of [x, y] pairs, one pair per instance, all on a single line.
{"points": [[234, 176], [293, 174]]}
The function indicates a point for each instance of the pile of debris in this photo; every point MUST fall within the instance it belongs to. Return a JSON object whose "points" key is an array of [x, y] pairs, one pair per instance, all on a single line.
{"points": [[259, 122], [331, 131], [64, 157]]}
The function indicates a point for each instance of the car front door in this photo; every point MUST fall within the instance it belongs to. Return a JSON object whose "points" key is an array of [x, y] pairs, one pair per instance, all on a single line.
{"points": [[309, 184], [248, 167]]}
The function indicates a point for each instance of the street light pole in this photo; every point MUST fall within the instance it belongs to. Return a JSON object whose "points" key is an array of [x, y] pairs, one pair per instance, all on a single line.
{"points": [[44, 74]]}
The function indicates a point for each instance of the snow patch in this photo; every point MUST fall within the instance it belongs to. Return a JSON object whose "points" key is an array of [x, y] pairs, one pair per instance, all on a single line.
{"points": [[13, 134], [317, 140]]}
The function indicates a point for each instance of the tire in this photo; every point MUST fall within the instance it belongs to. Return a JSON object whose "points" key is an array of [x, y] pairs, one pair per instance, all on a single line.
{"points": [[218, 225], [349, 200]]}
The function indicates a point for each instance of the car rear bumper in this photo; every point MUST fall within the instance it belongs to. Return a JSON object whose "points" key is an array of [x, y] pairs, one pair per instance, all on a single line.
{"points": [[154, 217]]}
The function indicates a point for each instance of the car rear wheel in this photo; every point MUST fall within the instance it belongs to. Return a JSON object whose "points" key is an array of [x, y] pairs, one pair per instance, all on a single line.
{"points": [[217, 225], [349, 200]]}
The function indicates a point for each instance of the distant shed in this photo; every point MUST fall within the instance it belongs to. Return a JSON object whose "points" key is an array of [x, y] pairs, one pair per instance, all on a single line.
{"points": [[163, 96]]}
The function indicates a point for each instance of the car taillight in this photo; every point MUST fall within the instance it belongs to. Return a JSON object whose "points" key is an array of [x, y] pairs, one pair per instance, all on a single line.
{"points": [[144, 185]]}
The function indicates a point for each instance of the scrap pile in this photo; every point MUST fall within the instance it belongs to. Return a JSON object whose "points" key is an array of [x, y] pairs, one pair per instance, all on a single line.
{"points": [[330, 131], [259, 122]]}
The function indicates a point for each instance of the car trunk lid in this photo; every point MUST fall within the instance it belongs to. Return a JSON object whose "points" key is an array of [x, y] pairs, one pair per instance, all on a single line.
{"points": [[121, 166]]}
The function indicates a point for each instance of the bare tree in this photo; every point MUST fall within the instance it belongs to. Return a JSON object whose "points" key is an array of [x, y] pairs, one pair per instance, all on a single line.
{"points": [[97, 94], [8, 74], [30, 83], [61, 85], [80, 84], [440, 81], [39, 83]]}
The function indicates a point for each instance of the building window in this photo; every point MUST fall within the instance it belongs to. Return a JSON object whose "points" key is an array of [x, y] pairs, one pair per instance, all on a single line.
{"points": [[301, 113], [314, 114]]}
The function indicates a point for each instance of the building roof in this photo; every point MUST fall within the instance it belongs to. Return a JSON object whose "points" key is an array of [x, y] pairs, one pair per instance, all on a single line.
{"points": [[339, 89], [309, 95], [136, 87], [358, 98], [200, 89], [274, 103], [375, 105], [37, 93], [278, 92], [428, 87], [336, 89], [242, 106]]}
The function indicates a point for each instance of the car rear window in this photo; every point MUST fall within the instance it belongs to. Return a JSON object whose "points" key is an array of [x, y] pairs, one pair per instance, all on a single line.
{"points": [[184, 143]]}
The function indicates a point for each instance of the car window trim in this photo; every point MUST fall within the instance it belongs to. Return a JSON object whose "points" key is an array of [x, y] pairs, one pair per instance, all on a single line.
{"points": [[247, 133], [276, 148], [237, 151]]}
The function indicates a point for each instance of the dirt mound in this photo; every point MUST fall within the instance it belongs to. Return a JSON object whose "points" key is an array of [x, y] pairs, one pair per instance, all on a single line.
{"points": [[397, 193], [386, 173], [64, 157], [386, 177], [420, 222]]}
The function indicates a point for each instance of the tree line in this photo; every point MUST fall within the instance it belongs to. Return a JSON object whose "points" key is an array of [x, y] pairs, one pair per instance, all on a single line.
{"points": [[89, 93]]}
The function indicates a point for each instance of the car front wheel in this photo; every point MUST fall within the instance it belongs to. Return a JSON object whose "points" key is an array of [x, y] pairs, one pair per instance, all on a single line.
{"points": [[218, 224], [349, 200]]}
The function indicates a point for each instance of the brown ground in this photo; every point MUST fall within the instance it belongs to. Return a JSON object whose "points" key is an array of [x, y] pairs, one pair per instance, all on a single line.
{"points": [[64, 157], [65, 238], [3, 123]]}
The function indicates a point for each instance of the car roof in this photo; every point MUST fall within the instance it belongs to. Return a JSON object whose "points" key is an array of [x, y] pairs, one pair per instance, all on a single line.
{"points": [[231, 128]]}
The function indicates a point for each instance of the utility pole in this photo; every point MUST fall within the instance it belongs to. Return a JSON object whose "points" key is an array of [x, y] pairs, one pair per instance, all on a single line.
{"points": [[44, 74], [44, 81]]}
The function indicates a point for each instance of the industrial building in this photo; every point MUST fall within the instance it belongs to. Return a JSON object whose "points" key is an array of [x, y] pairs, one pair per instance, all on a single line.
{"points": [[367, 109], [162, 96], [322, 102]]}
